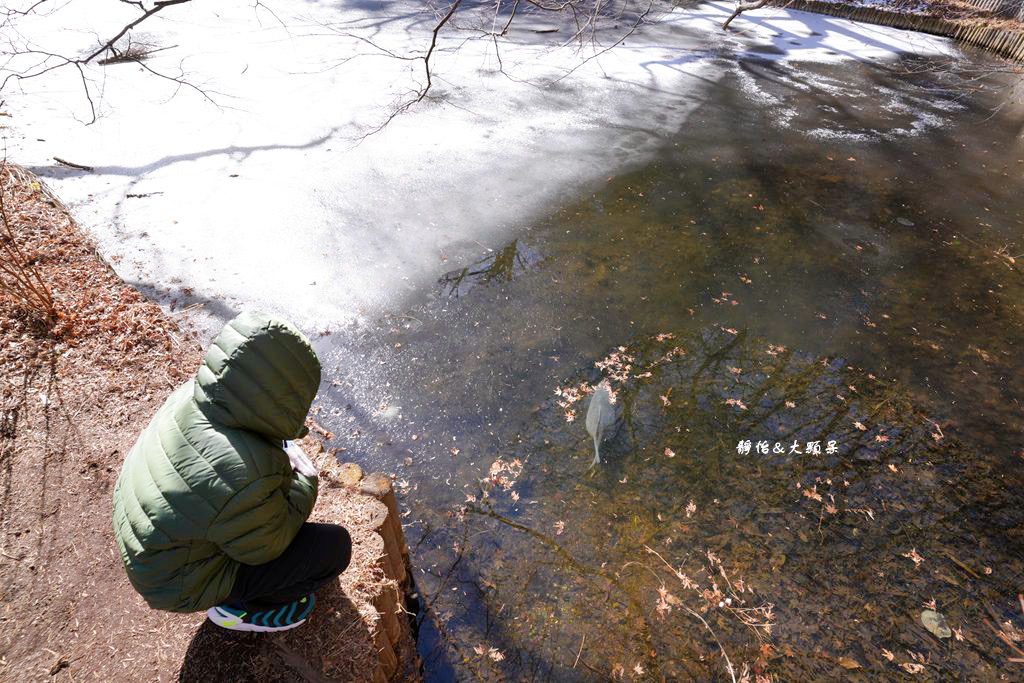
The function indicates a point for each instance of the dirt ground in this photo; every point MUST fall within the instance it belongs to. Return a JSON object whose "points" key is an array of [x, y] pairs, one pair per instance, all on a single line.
{"points": [[74, 396]]}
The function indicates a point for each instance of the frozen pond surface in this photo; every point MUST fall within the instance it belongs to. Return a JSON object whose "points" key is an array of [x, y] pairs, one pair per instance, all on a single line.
{"points": [[255, 183], [790, 235]]}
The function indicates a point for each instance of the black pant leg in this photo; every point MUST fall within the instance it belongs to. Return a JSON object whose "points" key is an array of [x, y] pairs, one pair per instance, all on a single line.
{"points": [[317, 554]]}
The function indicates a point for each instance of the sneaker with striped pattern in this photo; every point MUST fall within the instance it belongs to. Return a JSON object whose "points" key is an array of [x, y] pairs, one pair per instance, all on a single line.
{"points": [[283, 618]]}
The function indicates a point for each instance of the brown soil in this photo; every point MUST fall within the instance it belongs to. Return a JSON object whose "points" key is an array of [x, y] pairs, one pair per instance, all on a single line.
{"points": [[73, 397]]}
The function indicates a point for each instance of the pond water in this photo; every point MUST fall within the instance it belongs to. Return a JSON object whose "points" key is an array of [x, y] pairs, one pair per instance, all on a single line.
{"points": [[823, 254]]}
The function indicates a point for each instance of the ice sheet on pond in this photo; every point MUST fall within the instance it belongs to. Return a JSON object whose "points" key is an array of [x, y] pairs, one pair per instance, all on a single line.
{"points": [[255, 188]]}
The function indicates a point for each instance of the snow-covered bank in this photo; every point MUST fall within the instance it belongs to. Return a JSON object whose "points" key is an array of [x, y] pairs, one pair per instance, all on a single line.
{"points": [[269, 197]]}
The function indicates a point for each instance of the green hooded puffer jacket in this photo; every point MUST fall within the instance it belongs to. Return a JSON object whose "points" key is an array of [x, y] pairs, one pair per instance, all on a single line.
{"points": [[207, 485]]}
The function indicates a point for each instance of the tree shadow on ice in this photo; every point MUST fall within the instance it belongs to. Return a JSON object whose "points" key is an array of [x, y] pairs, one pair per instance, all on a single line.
{"points": [[236, 153], [789, 43]]}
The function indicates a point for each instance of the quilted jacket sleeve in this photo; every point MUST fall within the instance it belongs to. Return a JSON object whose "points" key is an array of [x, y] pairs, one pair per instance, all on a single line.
{"points": [[260, 520]]}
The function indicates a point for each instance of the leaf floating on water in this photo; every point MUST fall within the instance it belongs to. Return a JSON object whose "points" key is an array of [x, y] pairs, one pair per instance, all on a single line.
{"points": [[492, 652], [913, 555], [812, 493], [848, 663], [936, 623]]}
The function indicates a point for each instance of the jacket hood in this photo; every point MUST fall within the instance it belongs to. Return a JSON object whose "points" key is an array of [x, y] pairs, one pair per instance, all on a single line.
{"points": [[260, 374]]}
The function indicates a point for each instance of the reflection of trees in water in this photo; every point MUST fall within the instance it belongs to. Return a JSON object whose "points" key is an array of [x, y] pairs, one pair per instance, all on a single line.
{"points": [[500, 266], [819, 536]]}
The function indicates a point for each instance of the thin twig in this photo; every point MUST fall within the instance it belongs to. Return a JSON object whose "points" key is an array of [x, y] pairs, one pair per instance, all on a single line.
{"points": [[580, 652], [81, 167]]}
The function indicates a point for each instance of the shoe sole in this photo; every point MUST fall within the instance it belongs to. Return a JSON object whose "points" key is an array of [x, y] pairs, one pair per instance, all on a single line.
{"points": [[242, 626]]}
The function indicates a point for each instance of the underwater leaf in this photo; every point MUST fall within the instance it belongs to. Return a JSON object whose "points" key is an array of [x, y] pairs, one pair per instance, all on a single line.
{"points": [[735, 402], [936, 623], [848, 663]]}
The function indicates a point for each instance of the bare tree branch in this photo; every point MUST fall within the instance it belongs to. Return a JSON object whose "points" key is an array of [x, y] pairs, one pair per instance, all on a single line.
{"points": [[743, 7], [433, 44], [159, 6], [52, 61]]}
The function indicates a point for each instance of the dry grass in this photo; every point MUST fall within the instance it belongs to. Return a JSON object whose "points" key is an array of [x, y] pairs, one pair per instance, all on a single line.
{"points": [[20, 281]]}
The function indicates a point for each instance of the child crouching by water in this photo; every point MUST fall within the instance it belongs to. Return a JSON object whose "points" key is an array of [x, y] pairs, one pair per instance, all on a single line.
{"points": [[211, 504]]}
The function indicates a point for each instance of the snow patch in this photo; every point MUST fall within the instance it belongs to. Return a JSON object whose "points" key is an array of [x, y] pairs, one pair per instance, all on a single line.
{"points": [[255, 188]]}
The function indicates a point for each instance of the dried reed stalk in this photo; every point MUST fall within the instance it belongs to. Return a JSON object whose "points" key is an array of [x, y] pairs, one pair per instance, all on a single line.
{"points": [[19, 278]]}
